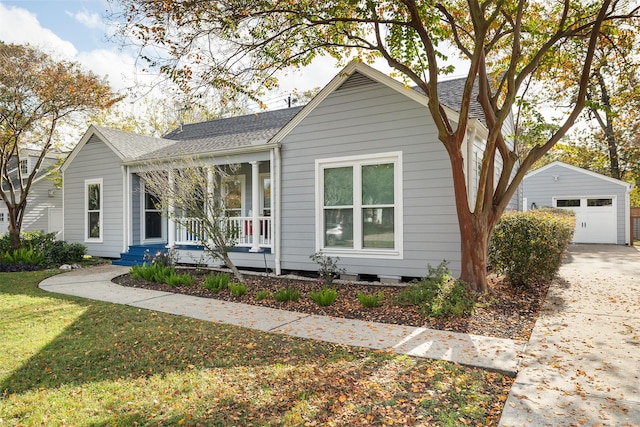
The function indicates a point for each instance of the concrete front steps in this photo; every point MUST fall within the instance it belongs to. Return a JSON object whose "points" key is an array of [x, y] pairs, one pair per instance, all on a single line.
{"points": [[135, 254]]}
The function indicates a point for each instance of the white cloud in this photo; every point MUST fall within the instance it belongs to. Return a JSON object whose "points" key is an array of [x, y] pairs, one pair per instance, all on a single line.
{"points": [[20, 26], [88, 19], [119, 68]]}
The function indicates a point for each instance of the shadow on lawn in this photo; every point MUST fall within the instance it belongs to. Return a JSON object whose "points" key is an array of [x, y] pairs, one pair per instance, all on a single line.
{"points": [[111, 342]]}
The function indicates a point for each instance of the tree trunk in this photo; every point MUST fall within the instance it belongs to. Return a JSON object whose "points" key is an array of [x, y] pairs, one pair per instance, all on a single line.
{"points": [[474, 231], [227, 261], [15, 214], [474, 244]]}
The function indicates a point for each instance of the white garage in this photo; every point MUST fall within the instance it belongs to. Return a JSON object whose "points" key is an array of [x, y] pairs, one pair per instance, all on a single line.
{"points": [[601, 203]]}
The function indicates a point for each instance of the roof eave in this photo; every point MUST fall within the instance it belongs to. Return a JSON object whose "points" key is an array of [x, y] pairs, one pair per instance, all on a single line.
{"points": [[249, 149]]}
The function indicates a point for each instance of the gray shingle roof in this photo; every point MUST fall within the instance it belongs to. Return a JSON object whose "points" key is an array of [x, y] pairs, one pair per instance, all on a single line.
{"points": [[249, 123], [132, 146], [237, 132], [450, 93], [223, 134]]}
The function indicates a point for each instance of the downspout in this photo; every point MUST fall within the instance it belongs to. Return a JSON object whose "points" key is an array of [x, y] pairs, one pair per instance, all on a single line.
{"points": [[63, 186], [129, 212], [125, 217], [277, 208], [627, 216]]}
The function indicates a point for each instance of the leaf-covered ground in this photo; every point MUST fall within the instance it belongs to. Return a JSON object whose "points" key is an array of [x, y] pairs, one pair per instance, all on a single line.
{"points": [[72, 362], [509, 311]]}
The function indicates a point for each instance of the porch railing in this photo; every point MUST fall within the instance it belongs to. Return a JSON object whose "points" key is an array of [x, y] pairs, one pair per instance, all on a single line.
{"points": [[190, 230]]}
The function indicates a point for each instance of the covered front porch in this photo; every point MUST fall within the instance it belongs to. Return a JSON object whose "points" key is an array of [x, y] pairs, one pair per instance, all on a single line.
{"points": [[244, 191]]}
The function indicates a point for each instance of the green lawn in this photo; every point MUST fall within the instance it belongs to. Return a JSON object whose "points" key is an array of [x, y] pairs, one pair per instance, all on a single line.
{"points": [[69, 361]]}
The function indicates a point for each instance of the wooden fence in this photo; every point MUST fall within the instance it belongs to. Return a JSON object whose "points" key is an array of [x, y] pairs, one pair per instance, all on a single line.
{"points": [[635, 224]]}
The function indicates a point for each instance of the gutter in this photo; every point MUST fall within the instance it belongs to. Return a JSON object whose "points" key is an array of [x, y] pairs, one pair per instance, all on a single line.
{"points": [[277, 208], [249, 149]]}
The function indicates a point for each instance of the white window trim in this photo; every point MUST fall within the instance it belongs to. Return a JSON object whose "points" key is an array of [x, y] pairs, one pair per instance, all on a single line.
{"points": [[27, 161], [243, 192], [263, 177], [613, 206], [356, 162], [143, 225], [88, 182]]}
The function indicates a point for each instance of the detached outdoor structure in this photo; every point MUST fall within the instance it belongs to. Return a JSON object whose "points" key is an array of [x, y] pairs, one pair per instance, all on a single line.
{"points": [[601, 203], [358, 173]]}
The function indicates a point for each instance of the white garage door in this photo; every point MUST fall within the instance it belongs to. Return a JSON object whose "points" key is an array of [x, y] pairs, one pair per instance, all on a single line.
{"points": [[595, 218]]}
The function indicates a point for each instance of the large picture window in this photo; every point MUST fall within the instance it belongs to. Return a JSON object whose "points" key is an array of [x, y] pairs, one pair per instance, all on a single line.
{"points": [[93, 204], [359, 205]]}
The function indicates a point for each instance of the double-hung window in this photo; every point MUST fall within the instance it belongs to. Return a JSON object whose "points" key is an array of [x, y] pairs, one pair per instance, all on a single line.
{"points": [[93, 205], [360, 205]]}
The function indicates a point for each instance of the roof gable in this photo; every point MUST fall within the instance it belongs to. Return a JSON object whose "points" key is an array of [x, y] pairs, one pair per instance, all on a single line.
{"points": [[579, 170], [125, 145], [357, 74]]}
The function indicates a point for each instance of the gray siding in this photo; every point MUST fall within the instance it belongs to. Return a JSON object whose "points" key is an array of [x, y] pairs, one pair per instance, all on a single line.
{"points": [[364, 120], [542, 187], [38, 204], [94, 161]]}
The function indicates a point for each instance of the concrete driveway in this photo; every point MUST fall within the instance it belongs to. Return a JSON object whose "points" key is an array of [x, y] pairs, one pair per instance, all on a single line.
{"points": [[582, 364]]}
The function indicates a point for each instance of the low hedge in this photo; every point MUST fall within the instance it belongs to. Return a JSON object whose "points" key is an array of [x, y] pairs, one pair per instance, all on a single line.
{"points": [[527, 247]]}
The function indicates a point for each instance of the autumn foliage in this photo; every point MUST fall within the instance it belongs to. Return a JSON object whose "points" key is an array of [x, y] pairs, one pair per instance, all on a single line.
{"points": [[37, 94], [239, 47]]}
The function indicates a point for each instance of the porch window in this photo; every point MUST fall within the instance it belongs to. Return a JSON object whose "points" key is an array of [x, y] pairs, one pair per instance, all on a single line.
{"points": [[93, 204], [265, 194], [360, 205], [233, 195], [152, 217]]}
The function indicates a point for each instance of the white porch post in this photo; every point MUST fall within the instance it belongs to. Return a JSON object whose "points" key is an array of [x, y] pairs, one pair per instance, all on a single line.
{"points": [[171, 229], [255, 207]]}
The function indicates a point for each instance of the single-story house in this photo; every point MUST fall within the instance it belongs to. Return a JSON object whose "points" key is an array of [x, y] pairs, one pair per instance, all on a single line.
{"points": [[44, 202], [358, 173], [601, 203]]}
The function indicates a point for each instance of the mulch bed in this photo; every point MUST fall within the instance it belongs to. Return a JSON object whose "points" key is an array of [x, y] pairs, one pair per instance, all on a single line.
{"points": [[510, 311]]}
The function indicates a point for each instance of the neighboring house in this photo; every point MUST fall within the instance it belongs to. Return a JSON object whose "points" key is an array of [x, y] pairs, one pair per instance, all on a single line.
{"points": [[358, 173], [44, 202], [601, 203]]}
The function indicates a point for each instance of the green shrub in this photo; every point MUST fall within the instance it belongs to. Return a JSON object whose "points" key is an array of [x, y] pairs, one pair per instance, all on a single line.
{"points": [[217, 282], [324, 297], [61, 252], [371, 300], [527, 247], [286, 294], [438, 294], [23, 256], [151, 272], [54, 251], [238, 289], [174, 279], [262, 294]]}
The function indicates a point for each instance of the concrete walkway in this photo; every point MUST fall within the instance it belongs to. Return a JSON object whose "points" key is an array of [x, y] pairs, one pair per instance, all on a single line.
{"points": [[582, 363], [497, 354]]}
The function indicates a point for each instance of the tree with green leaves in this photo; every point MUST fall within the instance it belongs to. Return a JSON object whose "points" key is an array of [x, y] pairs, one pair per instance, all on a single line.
{"points": [[608, 141], [37, 95], [239, 46]]}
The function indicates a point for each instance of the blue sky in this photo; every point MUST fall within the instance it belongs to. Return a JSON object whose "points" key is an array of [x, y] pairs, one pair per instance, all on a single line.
{"points": [[77, 21], [77, 30], [72, 29]]}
